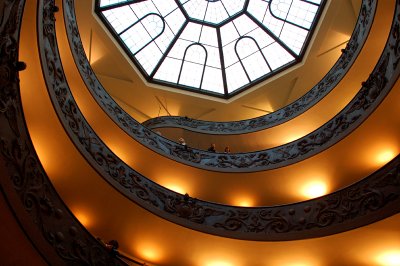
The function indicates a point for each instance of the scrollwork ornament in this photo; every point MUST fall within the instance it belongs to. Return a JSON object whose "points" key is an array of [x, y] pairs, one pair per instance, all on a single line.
{"points": [[23, 181], [338, 210], [243, 162]]}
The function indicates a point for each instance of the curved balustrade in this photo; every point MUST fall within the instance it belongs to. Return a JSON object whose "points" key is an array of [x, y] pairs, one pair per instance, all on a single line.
{"points": [[327, 135], [45, 219], [373, 198], [26, 183], [314, 95]]}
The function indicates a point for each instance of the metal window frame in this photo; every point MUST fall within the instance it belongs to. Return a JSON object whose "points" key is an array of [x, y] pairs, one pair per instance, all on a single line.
{"points": [[226, 95]]}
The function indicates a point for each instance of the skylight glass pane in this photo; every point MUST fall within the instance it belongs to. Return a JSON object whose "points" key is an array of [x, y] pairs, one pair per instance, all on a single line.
{"points": [[191, 74], [213, 56], [277, 56], [196, 53], [165, 39], [191, 32], [245, 47], [175, 20], [262, 38], [149, 57], [244, 25], [209, 36], [272, 24], [143, 8], [169, 70], [212, 12], [212, 80], [280, 8], [302, 13], [216, 12], [179, 49], [193, 66], [294, 37], [235, 77], [164, 7], [120, 18], [196, 8], [233, 6], [230, 56], [143, 32], [229, 33], [257, 9], [255, 65]]}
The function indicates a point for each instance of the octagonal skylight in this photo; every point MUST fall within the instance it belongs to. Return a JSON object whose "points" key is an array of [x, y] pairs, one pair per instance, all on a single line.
{"points": [[217, 47]]}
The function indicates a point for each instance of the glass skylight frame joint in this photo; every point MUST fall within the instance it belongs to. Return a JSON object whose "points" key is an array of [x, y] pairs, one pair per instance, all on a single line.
{"points": [[272, 35], [221, 58], [139, 21], [170, 46]]}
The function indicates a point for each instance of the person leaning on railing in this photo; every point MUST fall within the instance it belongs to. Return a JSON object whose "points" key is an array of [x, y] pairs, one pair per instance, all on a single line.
{"points": [[212, 148]]}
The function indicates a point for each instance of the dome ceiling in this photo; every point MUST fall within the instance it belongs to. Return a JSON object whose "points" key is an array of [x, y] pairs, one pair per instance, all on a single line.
{"points": [[216, 47]]}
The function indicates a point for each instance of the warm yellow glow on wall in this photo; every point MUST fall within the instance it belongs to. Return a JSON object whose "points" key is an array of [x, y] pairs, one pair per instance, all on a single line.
{"points": [[176, 188], [46, 159], [218, 263], [314, 189], [117, 149], [83, 218], [389, 258], [385, 156], [297, 264], [150, 253], [295, 260], [218, 255], [289, 137], [243, 202], [381, 152]]}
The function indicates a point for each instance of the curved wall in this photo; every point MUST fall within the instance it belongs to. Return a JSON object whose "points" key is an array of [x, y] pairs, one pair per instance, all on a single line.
{"points": [[85, 191], [337, 168]]}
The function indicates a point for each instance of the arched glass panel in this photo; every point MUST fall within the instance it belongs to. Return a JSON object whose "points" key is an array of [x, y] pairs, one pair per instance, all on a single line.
{"points": [[143, 32], [193, 66], [297, 12], [251, 58]]}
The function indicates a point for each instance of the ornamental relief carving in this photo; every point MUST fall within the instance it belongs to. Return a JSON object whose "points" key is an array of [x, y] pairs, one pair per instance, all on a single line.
{"points": [[305, 219], [23, 181], [377, 195], [272, 158], [263, 223]]}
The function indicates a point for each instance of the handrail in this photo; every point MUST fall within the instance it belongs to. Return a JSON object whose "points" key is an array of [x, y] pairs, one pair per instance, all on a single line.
{"points": [[292, 110], [54, 232], [367, 201], [324, 137]]}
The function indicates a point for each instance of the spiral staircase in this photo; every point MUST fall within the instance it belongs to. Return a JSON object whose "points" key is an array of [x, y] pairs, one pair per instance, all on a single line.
{"points": [[86, 153]]}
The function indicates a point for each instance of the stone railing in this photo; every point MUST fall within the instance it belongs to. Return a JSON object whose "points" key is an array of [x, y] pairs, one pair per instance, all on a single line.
{"points": [[340, 126], [55, 233], [314, 95], [367, 201]]}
